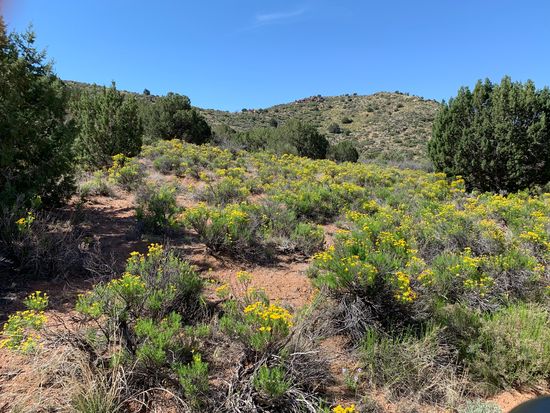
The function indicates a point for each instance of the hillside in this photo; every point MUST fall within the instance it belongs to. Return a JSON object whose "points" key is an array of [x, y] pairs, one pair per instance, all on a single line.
{"points": [[388, 126], [384, 126]]}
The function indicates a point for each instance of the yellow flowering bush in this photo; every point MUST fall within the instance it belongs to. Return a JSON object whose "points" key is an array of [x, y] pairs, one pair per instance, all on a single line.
{"points": [[20, 332], [24, 223], [126, 172], [145, 312], [341, 409]]}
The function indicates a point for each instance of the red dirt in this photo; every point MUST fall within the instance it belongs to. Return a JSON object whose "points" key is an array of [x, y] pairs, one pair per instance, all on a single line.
{"points": [[111, 221]]}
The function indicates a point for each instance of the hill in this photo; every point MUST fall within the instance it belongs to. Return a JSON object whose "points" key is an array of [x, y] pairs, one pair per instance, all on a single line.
{"points": [[387, 126], [384, 126]]}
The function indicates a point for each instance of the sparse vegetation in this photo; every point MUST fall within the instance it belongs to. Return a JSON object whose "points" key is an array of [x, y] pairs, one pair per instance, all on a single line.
{"points": [[373, 128]]}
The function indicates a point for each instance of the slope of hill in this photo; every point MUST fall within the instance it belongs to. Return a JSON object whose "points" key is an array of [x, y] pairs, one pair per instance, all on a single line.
{"points": [[388, 126], [384, 126]]}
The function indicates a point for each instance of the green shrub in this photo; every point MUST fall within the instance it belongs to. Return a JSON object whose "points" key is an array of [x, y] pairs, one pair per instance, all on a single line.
{"points": [[368, 276], [35, 148], [257, 323], [343, 152], [232, 229], [156, 208], [20, 332], [512, 348], [317, 202], [271, 382], [334, 128], [108, 123], [193, 378], [307, 238], [304, 138], [497, 136], [144, 312], [227, 190]]}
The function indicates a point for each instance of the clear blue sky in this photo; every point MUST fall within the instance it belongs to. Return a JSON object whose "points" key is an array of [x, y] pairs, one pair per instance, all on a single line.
{"points": [[230, 54]]}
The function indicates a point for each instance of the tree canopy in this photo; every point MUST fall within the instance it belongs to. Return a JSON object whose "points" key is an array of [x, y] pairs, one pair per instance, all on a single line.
{"points": [[497, 136], [35, 136]]}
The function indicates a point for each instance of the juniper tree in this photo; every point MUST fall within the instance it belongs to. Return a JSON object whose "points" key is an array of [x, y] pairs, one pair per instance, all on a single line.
{"points": [[109, 124], [496, 136], [35, 137]]}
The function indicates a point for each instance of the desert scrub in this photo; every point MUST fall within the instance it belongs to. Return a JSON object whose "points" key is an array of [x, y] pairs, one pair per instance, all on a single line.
{"points": [[156, 208], [148, 311], [232, 229], [307, 238], [259, 325], [228, 189], [512, 348], [193, 378], [126, 172], [39, 244], [411, 364], [95, 184], [21, 330], [271, 382], [370, 273]]}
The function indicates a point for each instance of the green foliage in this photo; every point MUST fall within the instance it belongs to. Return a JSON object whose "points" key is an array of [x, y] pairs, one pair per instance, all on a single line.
{"points": [[307, 238], [343, 152], [193, 378], [144, 312], [512, 347], [108, 123], [153, 285], [156, 207], [294, 137], [172, 117], [271, 382], [256, 322], [497, 136], [226, 190], [379, 132], [305, 138], [35, 148]]}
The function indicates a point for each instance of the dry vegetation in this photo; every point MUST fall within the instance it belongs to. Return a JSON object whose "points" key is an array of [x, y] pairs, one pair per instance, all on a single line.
{"points": [[211, 280]]}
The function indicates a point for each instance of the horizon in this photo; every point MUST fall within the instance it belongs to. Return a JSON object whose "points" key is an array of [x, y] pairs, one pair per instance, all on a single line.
{"points": [[228, 57]]}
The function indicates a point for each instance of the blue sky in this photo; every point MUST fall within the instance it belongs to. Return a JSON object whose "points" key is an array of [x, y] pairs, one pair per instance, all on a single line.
{"points": [[231, 54]]}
